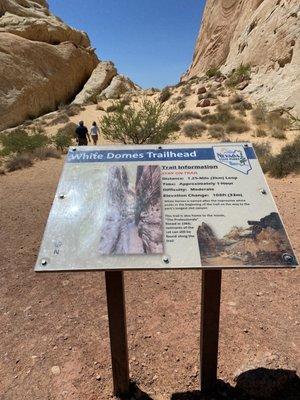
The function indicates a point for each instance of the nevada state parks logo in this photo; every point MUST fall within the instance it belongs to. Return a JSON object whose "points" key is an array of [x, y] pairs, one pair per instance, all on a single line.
{"points": [[233, 156]]}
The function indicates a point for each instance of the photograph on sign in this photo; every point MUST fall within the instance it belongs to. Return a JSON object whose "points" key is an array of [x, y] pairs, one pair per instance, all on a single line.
{"points": [[172, 206], [133, 211]]}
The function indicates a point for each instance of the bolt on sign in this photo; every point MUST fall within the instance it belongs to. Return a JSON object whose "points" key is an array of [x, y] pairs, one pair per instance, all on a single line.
{"points": [[155, 207]]}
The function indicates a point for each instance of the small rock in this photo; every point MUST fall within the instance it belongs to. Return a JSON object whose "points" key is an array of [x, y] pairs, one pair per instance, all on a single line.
{"points": [[245, 330], [242, 85], [55, 370], [98, 377], [204, 103]]}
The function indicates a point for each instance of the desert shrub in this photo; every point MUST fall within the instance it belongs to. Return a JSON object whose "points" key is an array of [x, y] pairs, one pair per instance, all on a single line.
{"points": [[223, 114], [64, 136], [186, 90], [237, 125], [278, 134], [238, 75], [260, 133], [188, 114], [205, 111], [43, 153], [165, 94], [259, 113], [275, 120], [151, 123], [263, 152], [19, 141], [287, 161], [99, 107], [242, 106], [73, 109], [194, 129], [59, 119], [181, 105], [19, 161], [210, 94], [236, 98], [213, 71], [112, 108], [216, 131]]}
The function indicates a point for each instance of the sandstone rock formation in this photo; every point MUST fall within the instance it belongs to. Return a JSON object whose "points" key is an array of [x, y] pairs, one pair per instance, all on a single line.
{"points": [[264, 33], [99, 80], [43, 62], [119, 85]]}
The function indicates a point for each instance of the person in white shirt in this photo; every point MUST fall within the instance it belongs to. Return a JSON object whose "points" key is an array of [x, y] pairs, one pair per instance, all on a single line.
{"points": [[95, 132]]}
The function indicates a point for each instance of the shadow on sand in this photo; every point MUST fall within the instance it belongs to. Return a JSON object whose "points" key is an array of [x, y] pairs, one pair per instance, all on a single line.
{"points": [[255, 384]]}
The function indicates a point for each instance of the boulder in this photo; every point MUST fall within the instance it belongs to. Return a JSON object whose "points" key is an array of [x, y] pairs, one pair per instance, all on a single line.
{"points": [[36, 77], [204, 103], [242, 85], [99, 80], [201, 90], [33, 20], [119, 85]]}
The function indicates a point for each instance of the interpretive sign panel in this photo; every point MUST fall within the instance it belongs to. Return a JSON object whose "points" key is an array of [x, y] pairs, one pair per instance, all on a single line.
{"points": [[171, 206]]}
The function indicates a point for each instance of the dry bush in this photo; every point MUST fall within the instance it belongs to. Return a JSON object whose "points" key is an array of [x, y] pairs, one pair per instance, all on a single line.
{"points": [[260, 133], [186, 90], [275, 120], [287, 161], [46, 152], [242, 106], [74, 109], [259, 113], [278, 134], [59, 119], [237, 125], [216, 131], [99, 107], [205, 111], [19, 161], [263, 152], [194, 129], [181, 105], [165, 94], [236, 98], [188, 114], [223, 115]]}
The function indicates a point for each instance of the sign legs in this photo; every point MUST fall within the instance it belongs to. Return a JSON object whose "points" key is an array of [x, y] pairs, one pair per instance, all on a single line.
{"points": [[117, 330], [209, 335]]}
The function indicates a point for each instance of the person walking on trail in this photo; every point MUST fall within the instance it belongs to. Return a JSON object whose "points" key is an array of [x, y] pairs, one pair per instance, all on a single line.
{"points": [[82, 134], [95, 132]]}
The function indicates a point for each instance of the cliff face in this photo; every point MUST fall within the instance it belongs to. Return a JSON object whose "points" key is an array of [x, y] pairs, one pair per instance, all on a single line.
{"points": [[264, 33]]}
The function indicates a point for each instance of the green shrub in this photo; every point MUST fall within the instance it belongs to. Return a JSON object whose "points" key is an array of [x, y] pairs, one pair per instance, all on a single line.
{"points": [[194, 129], [237, 125], [188, 114], [213, 71], [64, 136], [287, 161], [151, 123], [186, 90], [19, 141], [239, 75], [165, 94], [19, 161]]}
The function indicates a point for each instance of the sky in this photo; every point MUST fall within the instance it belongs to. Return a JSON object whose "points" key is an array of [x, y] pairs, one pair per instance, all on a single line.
{"points": [[150, 41]]}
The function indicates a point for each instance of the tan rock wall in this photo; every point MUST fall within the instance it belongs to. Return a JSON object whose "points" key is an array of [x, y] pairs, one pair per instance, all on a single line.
{"points": [[264, 33]]}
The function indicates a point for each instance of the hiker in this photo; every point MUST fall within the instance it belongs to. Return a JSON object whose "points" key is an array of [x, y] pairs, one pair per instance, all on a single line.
{"points": [[95, 132], [82, 134]]}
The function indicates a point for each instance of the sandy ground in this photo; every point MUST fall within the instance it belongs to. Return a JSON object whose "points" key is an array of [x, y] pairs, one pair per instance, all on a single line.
{"points": [[54, 329]]}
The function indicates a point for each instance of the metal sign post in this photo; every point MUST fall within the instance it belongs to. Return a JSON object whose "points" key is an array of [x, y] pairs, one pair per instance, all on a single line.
{"points": [[117, 330]]}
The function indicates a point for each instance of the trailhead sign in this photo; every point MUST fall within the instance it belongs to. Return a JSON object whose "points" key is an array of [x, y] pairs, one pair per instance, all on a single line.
{"points": [[172, 206]]}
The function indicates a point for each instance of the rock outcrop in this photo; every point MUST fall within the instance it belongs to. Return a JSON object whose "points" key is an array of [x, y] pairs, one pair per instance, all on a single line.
{"points": [[119, 85], [99, 80], [43, 62], [263, 33]]}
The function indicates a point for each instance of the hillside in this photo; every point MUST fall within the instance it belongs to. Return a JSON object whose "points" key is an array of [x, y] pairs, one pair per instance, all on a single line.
{"points": [[262, 33]]}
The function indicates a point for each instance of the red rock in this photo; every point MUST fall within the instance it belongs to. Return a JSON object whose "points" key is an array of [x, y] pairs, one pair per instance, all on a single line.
{"points": [[201, 90]]}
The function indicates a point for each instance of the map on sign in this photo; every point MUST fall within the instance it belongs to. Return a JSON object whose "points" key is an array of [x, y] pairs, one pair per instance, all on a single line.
{"points": [[171, 206]]}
